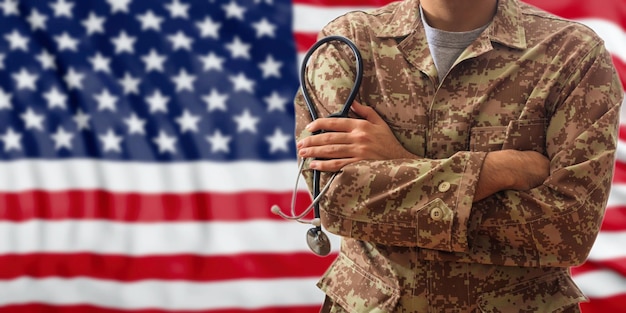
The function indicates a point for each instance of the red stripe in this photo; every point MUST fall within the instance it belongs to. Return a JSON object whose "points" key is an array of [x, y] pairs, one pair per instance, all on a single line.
{"points": [[614, 219], [164, 267], [344, 3], [134, 207], [617, 265], [304, 41], [621, 69], [36, 308], [605, 305], [612, 10]]}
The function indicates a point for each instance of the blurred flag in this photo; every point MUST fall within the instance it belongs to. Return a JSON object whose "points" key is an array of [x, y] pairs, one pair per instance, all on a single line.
{"points": [[143, 142]]}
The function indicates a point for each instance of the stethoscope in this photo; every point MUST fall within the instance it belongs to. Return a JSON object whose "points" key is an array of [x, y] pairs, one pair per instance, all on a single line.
{"points": [[316, 239]]}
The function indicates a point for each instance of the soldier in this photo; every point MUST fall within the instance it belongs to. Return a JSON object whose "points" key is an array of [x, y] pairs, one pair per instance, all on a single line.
{"points": [[480, 165]]}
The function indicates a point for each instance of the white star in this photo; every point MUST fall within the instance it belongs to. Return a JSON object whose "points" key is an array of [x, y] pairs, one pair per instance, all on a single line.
{"points": [[130, 84], [275, 102], [2, 56], [215, 101], [56, 99], [17, 41], [158, 102], [32, 119], [62, 8], [25, 80], [36, 20], [124, 43], [239, 49], [11, 140], [264, 28], [246, 121], [81, 119], [241, 82], [233, 10], [165, 142], [5, 99], [180, 41], [209, 28], [100, 63], [278, 141], [178, 9], [150, 21], [212, 61], [154, 61], [62, 139], [270, 67], [9, 7], [119, 5], [74, 79], [47, 60], [184, 81], [188, 122], [66, 42], [106, 101], [111, 142], [218, 142], [94, 24], [261, 1], [135, 125]]}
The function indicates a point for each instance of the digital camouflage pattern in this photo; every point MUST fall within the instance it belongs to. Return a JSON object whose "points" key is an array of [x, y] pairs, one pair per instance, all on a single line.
{"points": [[413, 241]]}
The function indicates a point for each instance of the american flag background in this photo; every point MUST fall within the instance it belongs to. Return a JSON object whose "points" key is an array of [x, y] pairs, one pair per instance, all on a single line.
{"points": [[143, 142]]}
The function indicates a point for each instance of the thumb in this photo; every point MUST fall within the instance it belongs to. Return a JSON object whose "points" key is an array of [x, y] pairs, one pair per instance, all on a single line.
{"points": [[367, 113]]}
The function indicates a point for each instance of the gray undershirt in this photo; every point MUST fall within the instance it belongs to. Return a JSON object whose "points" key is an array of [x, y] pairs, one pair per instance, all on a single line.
{"points": [[446, 47]]}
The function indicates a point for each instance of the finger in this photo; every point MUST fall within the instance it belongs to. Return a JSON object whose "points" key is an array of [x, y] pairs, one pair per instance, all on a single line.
{"points": [[333, 124], [327, 152], [330, 165], [367, 112], [327, 138]]}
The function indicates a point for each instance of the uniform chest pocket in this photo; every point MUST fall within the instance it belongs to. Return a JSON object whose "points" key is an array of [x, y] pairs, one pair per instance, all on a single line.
{"points": [[522, 135]]}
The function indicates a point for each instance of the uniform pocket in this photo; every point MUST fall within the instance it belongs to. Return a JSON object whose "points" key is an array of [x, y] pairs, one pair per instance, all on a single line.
{"points": [[486, 139], [526, 135], [357, 290]]}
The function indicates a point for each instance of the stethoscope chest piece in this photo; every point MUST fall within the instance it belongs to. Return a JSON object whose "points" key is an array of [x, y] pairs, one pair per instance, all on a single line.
{"points": [[318, 241]]}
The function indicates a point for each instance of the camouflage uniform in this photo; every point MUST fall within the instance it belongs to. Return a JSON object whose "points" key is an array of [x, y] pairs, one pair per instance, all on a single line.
{"points": [[413, 240]]}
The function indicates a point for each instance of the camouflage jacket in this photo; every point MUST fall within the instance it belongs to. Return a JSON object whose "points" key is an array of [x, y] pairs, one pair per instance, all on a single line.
{"points": [[530, 81]]}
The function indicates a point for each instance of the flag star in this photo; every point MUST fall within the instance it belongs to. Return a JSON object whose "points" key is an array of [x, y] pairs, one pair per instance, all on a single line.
{"points": [[215, 101], [264, 28], [270, 67], [180, 41], [178, 9], [32, 119], [62, 139], [55, 99], [47, 60], [184, 81], [212, 61], [74, 79], [261, 1], [275, 102], [219, 142], [188, 122], [124, 43], [158, 102], [106, 101], [25, 80], [94, 24], [239, 49], [154, 61], [278, 141], [150, 20], [11, 140], [119, 5], [17, 41], [81, 119], [209, 28], [66, 42], [62, 8], [130, 84], [111, 142], [246, 121], [37, 20], [100, 63], [2, 56], [233, 10], [9, 7], [135, 125], [165, 142], [5, 99], [241, 82]]}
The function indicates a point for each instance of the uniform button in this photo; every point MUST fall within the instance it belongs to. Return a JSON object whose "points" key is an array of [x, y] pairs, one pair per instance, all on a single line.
{"points": [[445, 186], [436, 213]]}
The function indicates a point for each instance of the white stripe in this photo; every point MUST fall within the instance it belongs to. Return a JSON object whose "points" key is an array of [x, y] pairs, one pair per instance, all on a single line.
{"points": [[311, 18], [609, 245], [141, 239], [613, 35], [601, 284], [59, 175], [617, 196], [165, 295]]}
